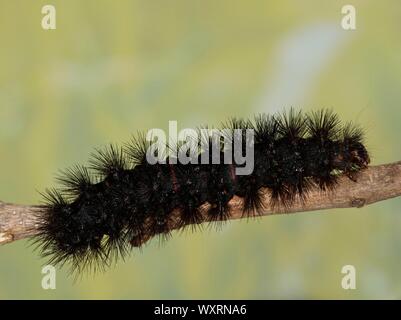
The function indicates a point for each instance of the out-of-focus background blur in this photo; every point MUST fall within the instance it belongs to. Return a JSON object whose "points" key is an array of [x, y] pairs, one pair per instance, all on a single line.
{"points": [[114, 67]]}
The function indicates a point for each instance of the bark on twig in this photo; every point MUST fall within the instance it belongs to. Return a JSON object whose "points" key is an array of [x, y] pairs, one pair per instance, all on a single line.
{"points": [[373, 184]]}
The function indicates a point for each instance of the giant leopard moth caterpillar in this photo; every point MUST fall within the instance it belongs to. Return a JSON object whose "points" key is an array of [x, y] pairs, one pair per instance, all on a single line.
{"points": [[120, 200]]}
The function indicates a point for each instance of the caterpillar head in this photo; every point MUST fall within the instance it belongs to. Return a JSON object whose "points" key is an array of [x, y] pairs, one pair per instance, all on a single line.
{"points": [[358, 155], [353, 154], [350, 156]]}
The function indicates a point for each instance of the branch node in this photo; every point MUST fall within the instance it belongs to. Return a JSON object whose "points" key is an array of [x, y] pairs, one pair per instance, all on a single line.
{"points": [[358, 202]]}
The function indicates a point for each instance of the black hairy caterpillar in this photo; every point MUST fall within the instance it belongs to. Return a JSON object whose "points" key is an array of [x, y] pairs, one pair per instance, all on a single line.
{"points": [[121, 200]]}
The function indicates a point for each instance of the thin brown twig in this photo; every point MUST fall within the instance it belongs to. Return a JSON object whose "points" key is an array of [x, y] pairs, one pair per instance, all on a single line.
{"points": [[373, 184]]}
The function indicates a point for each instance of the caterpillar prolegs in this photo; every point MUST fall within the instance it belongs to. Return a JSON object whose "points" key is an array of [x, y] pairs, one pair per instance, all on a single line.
{"points": [[120, 200]]}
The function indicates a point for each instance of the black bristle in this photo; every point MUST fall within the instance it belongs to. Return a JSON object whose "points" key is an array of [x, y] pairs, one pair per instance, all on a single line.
{"points": [[136, 149], [108, 161]]}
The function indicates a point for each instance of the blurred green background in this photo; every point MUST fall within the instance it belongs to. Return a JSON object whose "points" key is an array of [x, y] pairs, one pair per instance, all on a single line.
{"points": [[114, 67]]}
